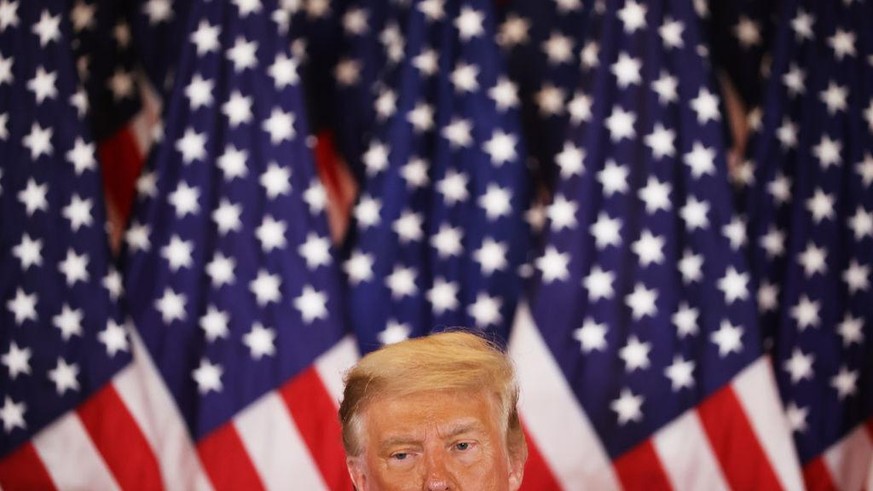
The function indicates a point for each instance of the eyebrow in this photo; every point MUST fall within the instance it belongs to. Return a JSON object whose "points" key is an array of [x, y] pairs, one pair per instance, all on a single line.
{"points": [[451, 432], [461, 428]]}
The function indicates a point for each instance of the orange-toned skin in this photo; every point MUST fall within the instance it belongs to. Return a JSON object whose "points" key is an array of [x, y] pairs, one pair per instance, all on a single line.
{"points": [[434, 441]]}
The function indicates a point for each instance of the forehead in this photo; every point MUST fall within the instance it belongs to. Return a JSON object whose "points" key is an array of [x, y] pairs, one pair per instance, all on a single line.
{"points": [[432, 410]]}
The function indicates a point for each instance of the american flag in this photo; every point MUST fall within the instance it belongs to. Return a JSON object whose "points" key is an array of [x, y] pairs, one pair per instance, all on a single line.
{"points": [[542, 42], [107, 67], [810, 209], [63, 346], [740, 34], [640, 349], [332, 40], [106, 64], [158, 28], [229, 271], [439, 231]]}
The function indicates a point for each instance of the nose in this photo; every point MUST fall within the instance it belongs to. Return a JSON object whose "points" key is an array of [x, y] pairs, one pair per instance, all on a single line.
{"points": [[437, 475], [437, 485]]}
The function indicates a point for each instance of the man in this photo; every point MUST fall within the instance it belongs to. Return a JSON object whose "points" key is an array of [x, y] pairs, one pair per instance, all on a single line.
{"points": [[433, 413]]}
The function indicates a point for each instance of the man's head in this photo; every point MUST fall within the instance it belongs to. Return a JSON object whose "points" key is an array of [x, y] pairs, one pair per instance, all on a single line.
{"points": [[433, 413]]}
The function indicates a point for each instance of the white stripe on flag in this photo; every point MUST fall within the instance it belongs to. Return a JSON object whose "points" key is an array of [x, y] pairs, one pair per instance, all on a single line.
{"points": [[850, 460], [555, 420], [143, 391], [146, 122], [755, 388], [683, 449], [276, 448], [332, 365], [70, 456]]}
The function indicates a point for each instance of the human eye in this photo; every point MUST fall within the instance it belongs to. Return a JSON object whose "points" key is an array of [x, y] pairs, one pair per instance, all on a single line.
{"points": [[400, 456], [463, 446], [466, 450]]}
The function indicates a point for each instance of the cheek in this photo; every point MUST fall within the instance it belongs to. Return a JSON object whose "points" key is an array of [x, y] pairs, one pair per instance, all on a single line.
{"points": [[478, 471], [485, 469], [385, 477]]}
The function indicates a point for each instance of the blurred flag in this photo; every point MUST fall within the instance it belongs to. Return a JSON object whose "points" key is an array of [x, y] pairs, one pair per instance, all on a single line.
{"points": [[739, 34], [739, 37], [158, 29], [344, 58], [106, 64], [542, 42], [315, 30], [66, 381], [640, 355], [810, 208], [438, 228], [229, 269], [107, 67]]}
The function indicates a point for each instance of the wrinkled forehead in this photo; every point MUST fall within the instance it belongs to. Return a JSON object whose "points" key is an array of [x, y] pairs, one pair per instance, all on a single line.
{"points": [[443, 412]]}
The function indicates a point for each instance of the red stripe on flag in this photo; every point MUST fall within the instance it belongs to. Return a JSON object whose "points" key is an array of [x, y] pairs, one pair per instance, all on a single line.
{"points": [[743, 461], [315, 416], [23, 469], [338, 184], [817, 477], [226, 461], [120, 441], [870, 429], [327, 161], [121, 162], [537, 473], [641, 468]]}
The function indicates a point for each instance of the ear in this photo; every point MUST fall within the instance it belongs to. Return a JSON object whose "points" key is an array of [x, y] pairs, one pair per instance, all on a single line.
{"points": [[516, 470], [357, 469]]}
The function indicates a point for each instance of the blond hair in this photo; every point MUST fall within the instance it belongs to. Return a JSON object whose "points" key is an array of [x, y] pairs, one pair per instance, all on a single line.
{"points": [[449, 361]]}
